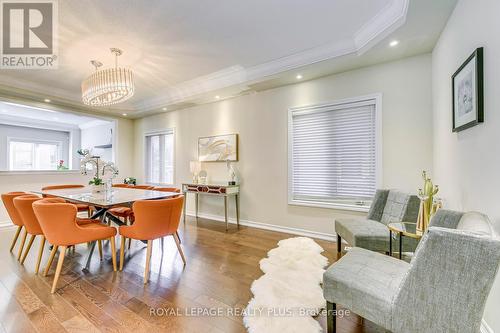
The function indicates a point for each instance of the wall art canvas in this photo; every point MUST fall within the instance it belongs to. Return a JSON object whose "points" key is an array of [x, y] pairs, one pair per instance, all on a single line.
{"points": [[467, 83], [219, 148]]}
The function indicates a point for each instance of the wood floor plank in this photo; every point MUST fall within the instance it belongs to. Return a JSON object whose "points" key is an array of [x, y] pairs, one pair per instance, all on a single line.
{"points": [[219, 272]]}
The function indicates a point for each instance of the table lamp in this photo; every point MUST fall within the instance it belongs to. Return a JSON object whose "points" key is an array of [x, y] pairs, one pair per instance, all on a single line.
{"points": [[195, 167]]}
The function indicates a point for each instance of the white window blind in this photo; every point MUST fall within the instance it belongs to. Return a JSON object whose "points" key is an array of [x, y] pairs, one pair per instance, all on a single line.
{"points": [[333, 154], [160, 158]]}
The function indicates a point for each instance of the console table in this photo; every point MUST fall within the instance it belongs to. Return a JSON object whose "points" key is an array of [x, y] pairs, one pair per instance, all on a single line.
{"points": [[213, 189]]}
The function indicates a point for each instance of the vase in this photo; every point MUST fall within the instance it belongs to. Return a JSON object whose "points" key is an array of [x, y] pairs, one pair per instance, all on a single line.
{"points": [[98, 188]]}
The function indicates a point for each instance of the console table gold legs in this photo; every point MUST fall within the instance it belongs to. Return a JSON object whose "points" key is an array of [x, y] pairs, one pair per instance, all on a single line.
{"points": [[226, 219]]}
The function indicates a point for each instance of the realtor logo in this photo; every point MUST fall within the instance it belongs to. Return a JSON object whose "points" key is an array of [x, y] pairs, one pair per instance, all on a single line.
{"points": [[29, 34]]}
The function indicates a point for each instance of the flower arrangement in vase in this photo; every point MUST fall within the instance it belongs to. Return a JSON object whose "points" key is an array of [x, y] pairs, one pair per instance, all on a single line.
{"points": [[104, 171], [97, 184]]}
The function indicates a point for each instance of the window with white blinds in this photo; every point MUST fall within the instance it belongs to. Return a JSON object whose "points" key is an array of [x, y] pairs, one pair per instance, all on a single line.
{"points": [[160, 158], [333, 154]]}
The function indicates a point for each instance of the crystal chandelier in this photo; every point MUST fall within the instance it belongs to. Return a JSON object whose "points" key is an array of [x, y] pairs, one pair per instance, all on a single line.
{"points": [[108, 86]]}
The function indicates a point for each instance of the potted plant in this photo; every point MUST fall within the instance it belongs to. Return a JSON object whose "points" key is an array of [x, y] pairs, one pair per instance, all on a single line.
{"points": [[130, 181], [97, 184]]}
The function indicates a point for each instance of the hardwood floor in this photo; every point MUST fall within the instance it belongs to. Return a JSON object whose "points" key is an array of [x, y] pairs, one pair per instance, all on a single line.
{"points": [[220, 269]]}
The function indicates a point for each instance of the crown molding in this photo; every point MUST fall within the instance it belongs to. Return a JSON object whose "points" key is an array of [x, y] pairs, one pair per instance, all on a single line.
{"points": [[237, 77], [380, 26]]}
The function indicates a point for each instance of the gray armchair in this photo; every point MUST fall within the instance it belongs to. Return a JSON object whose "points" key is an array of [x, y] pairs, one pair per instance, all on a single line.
{"points": [[371, 233], [443, 289]]}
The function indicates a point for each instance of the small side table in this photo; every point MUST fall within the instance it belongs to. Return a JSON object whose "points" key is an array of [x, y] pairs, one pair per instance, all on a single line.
{"points": [[407, 229], [221, 190]]}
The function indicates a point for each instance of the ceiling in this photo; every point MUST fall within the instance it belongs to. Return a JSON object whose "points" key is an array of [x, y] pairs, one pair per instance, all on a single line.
{"points": [[12, 113], [187, 51]]}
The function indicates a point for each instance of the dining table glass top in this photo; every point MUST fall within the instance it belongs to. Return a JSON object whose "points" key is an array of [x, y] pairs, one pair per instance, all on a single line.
{"points": [[115, 196]]}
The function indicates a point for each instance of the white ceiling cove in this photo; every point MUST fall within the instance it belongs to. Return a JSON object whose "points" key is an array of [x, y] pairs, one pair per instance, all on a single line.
{"points": [[186, 50]]}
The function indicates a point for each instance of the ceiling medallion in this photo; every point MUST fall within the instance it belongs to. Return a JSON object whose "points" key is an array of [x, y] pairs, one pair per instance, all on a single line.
{"points": [[108, 86]]}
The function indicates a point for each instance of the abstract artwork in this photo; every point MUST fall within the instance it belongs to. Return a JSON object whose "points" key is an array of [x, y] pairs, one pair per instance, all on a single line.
{"points": [[467, 83], [219, 148]]}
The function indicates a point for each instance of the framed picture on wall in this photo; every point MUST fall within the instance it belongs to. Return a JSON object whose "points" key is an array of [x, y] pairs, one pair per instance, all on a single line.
{"points": [[467, 91], [218, 148]]}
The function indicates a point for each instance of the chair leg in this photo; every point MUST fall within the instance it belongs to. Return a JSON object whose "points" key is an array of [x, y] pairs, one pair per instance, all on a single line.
{"points": [[28, 248], [178, 237], [51, 258], [122, 252], [99, 245], [178, 243], [331, 314], [21, 247], [127, 222], [40, 254], [16, 236], [113, 252], [339, 244], [148, 261], [60, 262]]}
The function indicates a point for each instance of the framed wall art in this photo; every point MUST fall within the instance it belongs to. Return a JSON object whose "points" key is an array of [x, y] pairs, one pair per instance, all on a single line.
{"points": [[467, 92], [219, 148]]}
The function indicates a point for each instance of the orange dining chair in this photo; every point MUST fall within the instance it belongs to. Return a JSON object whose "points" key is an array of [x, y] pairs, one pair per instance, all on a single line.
{"points": [[124, 212], [24, 206], [153, 219], [167, 189], [79, 206], [122, 185], [8, 202], [58, 223], [143, 187]]}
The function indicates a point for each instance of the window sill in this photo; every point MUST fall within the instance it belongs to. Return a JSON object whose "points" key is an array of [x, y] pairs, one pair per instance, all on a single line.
{"points": [[38, 172], [336, 206]]}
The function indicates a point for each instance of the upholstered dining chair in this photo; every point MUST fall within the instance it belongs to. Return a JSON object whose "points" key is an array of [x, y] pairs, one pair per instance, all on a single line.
{"points": [[8, 202], [122, 185], [443, 289], [79, 206], [124, 212], [153, 219], [59, 225], [167, 189], [24, 206]]}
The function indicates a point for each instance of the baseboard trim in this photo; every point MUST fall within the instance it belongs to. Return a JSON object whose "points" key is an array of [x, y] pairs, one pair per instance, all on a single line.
{"points": [[485, 328], [271, 227]]}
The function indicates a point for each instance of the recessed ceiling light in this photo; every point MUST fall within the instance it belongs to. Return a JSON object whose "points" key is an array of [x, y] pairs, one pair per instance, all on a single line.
{"points": [[298, 77], [217, 97], [164, 109], [46, 100], [394, 43], [124, 114]]}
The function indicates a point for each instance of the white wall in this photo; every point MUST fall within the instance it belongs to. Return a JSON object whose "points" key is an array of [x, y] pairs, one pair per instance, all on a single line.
{"points": [[124, 150], [98, 136], [261, 121], [467, 164]]}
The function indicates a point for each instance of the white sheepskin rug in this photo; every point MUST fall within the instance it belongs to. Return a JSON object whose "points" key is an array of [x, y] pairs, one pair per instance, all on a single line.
{"points": [[289, 294]]}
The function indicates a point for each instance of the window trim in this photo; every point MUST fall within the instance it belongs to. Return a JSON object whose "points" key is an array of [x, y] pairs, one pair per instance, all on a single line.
{"points": [[59, 145], [377, 101], [145, 156]]}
